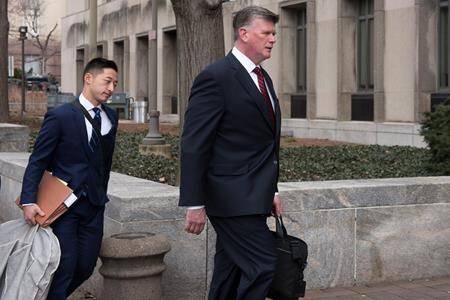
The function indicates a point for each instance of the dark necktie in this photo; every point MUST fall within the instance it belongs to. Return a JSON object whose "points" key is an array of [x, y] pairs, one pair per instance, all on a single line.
{"points": [[263, 89], [97, 121]]}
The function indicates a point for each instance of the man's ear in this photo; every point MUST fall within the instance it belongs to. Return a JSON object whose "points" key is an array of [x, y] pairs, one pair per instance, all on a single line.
{"points": [[88, 77], [243, 34]]}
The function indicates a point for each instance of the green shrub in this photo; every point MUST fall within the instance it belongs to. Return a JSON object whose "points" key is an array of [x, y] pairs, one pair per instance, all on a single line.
{"points": [[128, 160], [296, 163], [351, 162], [436, 132]]}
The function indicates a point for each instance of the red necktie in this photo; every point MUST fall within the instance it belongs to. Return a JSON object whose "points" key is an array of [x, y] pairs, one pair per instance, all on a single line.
{"points": [[262, 88]]}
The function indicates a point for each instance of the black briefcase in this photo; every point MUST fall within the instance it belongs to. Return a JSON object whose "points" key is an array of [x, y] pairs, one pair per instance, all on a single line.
{"points": [[292, 255]]}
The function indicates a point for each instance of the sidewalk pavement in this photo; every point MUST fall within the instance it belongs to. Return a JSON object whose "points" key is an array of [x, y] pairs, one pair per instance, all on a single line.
{"points": [[423, 289]]}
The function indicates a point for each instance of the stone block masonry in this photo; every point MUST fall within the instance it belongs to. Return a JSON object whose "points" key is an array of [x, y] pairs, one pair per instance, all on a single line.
{"points": [[358, 231]]}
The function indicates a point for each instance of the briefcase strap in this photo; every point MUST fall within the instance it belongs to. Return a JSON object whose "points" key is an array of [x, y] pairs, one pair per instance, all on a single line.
{"points": [[279, 226], [95, 128]]}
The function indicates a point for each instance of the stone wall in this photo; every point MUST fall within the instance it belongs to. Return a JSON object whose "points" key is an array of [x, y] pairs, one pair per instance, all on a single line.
{"points": [[13, 138], [358, 231]]}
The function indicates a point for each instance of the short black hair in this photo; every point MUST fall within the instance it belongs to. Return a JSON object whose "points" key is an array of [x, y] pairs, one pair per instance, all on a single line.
{"points": [[245, 16], [98, 64]]}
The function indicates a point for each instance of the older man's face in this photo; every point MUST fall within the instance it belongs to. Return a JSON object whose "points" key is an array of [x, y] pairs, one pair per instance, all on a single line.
{"points": [[260, 39]]}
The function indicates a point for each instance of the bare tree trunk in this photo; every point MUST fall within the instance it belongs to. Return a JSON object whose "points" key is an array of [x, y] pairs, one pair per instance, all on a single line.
{"points": [[199, 40], [44, 67], [4, 30]]}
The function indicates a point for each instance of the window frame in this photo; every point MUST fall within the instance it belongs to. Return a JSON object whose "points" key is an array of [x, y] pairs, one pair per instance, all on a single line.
{"points": [[444, 83], [365, 46], [302, 46]]}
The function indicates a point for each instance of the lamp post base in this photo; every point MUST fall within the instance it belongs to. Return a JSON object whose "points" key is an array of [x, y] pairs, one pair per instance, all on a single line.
{"points": [[154, 142]]}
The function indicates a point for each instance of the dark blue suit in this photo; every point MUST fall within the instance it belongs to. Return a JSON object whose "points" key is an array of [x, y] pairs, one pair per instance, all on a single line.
{"points": [[229, 164], [62, 148]]}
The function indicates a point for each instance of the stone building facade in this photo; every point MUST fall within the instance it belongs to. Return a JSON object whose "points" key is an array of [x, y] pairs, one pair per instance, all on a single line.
{"points": [[360, 71]]}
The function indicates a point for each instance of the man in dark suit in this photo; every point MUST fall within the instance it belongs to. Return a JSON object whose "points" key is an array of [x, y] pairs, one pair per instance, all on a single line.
{"points": [[70, 148], [229, 159]]}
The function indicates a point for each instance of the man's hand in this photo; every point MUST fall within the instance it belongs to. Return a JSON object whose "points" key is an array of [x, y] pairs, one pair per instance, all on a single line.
{"points": [[195, 220], [276, 206], [30, 212]]}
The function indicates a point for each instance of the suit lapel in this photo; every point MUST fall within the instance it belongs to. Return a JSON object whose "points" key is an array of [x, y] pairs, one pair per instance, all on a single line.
{"points": [[82, 132], [247, 83]]}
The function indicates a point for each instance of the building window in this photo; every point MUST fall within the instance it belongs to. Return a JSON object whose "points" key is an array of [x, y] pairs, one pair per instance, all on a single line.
{"points": [[298, 99], [443, 92], [100, 50], [362, 102], [444, 47], [301, 49], [33, 65], [365, 45]]}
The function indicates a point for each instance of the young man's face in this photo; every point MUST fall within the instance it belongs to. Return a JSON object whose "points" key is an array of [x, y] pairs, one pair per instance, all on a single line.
{"points": [[101, 85], [259, 37]]}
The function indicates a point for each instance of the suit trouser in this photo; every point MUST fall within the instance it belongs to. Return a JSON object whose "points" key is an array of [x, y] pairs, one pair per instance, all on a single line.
{"points": [[80, 232], [245, 258]]}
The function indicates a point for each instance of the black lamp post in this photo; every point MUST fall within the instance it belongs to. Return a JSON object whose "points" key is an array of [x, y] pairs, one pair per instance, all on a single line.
{"points": [[23, 36]]}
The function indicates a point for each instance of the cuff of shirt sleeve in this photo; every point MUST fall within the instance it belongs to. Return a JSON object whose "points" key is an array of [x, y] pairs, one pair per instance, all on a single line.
{"points": [[28, 204], [195, 207]]}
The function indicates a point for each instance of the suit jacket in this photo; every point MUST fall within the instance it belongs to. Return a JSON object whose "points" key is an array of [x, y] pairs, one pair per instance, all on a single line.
{"points": [[62, 148], [229, 146]]}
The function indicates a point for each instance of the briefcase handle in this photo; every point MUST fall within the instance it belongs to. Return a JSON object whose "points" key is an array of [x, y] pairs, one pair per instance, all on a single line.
{"points": [[280, 229]]}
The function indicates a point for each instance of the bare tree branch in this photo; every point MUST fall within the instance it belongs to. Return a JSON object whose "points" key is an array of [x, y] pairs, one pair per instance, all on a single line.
{"points": [[30, 11], [49, 35]]}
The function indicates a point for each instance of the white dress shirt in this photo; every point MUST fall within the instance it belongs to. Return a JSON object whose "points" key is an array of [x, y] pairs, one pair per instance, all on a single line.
{"points": [[249, 66], [106, 123]]}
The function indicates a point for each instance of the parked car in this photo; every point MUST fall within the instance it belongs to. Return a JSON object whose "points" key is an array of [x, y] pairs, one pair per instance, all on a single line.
{"points": [[37, 83]]}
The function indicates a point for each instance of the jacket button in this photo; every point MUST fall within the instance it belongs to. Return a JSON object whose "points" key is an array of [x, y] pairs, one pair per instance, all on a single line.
{"points": [[275, 162]]}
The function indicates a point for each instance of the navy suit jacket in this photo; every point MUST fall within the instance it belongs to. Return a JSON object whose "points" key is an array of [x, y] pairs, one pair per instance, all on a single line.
{"points": [[62, 148], [229, 146]]}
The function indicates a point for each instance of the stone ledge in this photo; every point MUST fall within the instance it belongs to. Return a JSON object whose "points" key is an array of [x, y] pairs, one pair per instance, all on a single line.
{"points": [[343, 222], [387, 133]]}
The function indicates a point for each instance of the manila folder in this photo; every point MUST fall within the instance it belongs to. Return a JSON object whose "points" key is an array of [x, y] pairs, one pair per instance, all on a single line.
{"points": [[51, 195]]}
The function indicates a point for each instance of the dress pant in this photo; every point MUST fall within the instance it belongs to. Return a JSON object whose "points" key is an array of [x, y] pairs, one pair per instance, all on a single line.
{"points": [[245, 258], [80, 232]]}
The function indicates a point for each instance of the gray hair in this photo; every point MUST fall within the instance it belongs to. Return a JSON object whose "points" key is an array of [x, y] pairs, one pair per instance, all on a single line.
{"points": [[245, 16]]}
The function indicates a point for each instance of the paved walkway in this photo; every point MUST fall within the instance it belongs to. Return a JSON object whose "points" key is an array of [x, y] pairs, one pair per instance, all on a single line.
{"points": [[425, 289]]}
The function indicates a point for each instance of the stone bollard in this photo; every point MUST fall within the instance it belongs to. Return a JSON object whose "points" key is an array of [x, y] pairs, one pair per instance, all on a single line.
{"points": [[132, 265]]}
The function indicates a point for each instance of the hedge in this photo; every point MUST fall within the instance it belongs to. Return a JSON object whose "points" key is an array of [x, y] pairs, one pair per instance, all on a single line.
{"points": [[296, 163]]}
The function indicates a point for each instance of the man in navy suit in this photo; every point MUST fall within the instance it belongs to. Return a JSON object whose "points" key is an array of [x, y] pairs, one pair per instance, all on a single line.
{"points": [[229, 159], [70, 148]]}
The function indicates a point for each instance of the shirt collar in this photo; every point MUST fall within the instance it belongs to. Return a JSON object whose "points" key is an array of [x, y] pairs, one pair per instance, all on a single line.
{"points": [[244, 60], [87, 104]]}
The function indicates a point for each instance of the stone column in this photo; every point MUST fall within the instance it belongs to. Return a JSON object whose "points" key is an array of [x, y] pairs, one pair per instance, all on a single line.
{"points": [[378, 61], [427, 76], [346, 62], [311, 102], [132, 265], [92, 29]]}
